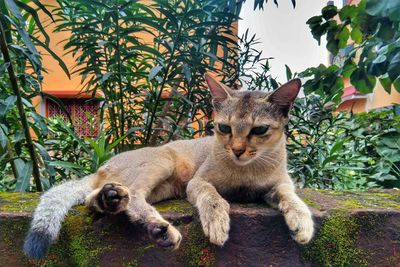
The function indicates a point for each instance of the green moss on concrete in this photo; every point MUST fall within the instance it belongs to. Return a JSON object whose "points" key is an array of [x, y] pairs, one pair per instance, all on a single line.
{"points": [[18, 202], [196, 249], [180, 206], [84, 244], [78, 245], [352, 199], [311, 203], [139, 253], [335, 243], [370, 200]]}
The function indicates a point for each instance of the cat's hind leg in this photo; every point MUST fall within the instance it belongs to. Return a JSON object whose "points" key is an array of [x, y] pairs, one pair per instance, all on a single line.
{"points": [[148, 186], [111, 198]]}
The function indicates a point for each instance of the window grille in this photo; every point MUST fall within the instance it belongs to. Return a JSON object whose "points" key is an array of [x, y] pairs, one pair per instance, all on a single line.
{"points": [[84, 114]]}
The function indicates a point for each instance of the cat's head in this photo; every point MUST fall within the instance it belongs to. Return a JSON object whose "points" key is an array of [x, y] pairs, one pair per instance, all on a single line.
{"points": [[250, 124]]}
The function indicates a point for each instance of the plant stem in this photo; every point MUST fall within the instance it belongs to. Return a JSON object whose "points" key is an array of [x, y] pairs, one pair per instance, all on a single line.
{"points": [[21, 110], [153, 113], [121, 91]]}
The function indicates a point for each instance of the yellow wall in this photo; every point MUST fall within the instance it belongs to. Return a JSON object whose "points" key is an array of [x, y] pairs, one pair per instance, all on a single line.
{"points": [[56, 79], [382, 99]]}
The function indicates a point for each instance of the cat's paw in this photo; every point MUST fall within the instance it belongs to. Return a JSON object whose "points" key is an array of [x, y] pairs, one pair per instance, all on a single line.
{"points": [[164, 234], [113, 198], [215, 222], [301, 225]]}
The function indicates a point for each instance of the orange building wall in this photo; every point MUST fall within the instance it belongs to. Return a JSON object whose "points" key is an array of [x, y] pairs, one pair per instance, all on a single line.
{"points": [[56, 79]]}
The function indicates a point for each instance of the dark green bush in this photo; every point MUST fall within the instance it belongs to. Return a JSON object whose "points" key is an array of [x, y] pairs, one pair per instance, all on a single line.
{"points": [[343, 150]]}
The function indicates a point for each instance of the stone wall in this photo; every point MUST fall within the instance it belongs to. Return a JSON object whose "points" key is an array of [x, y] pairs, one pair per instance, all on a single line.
{"points": [[353, 229]]}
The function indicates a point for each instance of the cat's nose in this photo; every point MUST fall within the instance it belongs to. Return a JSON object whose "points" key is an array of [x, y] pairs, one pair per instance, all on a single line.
{"points": [[238, 152]]}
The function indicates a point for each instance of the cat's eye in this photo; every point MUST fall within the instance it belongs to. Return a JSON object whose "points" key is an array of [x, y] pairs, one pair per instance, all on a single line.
{"points": [[225, 129], [260, 130]]}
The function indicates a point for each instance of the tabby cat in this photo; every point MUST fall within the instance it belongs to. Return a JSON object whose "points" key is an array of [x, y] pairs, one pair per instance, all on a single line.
{"points": [[246, 158]]}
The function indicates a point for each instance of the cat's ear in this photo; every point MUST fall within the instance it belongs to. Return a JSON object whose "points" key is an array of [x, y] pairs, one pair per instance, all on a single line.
{"points": [[219, 91], [285, 95]]}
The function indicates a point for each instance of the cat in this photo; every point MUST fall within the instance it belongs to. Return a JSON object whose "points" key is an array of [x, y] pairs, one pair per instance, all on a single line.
{"points": [[246, 155]]}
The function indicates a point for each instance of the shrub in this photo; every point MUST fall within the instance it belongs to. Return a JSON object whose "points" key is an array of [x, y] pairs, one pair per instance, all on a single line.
{"points": [[343, 150]]}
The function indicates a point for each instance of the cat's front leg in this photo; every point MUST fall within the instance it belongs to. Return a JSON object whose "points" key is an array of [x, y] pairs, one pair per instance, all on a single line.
{"points": [[296, 213], [213, 210]]}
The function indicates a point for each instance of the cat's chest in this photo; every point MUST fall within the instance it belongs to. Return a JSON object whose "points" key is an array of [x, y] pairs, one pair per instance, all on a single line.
{"points": [[236, 183]]}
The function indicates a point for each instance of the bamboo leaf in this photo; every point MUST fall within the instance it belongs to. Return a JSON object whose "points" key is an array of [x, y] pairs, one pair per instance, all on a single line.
{"points": [[20, 28], [54, 55], [35, 17], [154, 71]]}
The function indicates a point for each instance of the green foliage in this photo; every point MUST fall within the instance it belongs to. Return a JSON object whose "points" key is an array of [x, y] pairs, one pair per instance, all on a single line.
{"points": [[374, 28], [152, 57], [148, 62], [343, 151], [20, 76]]}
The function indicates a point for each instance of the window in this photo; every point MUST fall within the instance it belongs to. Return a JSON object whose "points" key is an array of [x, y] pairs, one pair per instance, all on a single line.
{"points": [[84, 114]]}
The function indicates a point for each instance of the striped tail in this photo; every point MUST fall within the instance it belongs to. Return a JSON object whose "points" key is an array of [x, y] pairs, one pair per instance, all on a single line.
{"points": [[50, 213]]}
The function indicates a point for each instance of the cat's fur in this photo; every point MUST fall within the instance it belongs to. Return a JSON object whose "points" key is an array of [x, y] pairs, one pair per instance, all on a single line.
{"points": [[204, 169]]}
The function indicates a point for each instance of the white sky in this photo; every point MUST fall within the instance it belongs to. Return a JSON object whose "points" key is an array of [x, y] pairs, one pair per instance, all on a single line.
{"points": [[284, 34]]}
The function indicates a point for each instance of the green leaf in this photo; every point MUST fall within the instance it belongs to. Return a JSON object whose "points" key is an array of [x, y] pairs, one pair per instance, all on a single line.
{"points": [[333, 46], [337, 146], [379, 59], [24, 178], [20, 28], [343, 37], [106, 76], [394, 67], [65, 164], [35, 16], [356, 35], [396, 84], [187, 72], [314, 20], [348, 12], [289, 74], [329, 12], [43, 8], [154, 71], [380, 8], [348, 69], [386, 84], [54, 55], [3, 138], [76, 138], [362, 81], [7, 105]]}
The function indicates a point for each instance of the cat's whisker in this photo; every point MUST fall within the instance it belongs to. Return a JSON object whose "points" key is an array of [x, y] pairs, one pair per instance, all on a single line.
{"points": [[268, 159]]}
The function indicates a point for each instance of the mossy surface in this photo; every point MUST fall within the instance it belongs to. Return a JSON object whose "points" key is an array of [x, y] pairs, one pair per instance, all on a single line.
{"points": [[328, 199], [180, 206], [84, 242], [79, 244], [18, 202], [196, 249], [311, 203], [138, 254], [335, 243]]}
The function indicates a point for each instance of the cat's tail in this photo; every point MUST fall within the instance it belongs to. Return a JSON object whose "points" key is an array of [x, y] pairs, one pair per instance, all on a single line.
{"points": [[50, 213]]}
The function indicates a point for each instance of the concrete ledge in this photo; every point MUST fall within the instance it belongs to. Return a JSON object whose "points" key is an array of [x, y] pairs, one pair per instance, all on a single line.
{"points": [[354, 229]]}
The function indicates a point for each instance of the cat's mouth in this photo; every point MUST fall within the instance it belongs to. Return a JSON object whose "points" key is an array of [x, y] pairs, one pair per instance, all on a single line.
{"points": [[242, 161]]}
